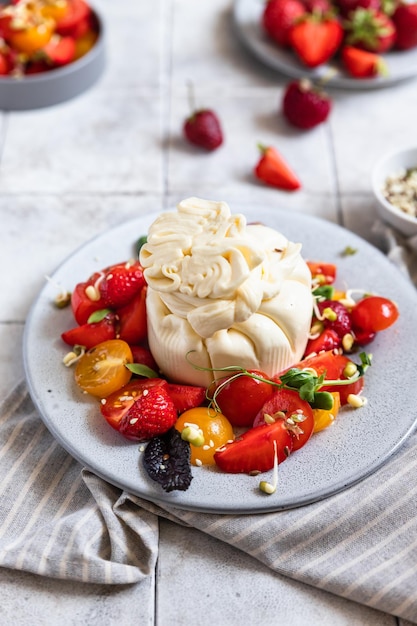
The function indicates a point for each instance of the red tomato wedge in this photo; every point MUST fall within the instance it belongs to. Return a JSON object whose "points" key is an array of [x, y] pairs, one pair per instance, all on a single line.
{"points": [[77, 11], [334, 366], [325, 272], [290, 403], [89, 335], [254, 451], [186, 397]]}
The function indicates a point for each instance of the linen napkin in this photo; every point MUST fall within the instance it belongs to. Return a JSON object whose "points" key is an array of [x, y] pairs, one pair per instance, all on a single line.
{"points": [[58, 519]]}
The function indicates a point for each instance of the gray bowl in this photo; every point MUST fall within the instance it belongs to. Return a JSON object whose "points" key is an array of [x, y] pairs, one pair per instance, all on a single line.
{"points": [[58, 85]]}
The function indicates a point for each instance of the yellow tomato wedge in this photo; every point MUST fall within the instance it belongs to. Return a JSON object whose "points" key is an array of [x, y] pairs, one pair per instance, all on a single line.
{"points": [[102, 370], [324, 418], [206, 430]]}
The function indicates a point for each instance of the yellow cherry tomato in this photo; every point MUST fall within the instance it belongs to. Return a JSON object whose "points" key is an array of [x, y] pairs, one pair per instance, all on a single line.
{"points": [[55, 9], [84, 43], [212, 431], [102, 369], [324, 418], [32, 38]]}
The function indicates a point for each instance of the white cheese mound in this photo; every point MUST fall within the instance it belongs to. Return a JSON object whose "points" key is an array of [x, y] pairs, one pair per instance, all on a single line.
{"points": [[223, 292]]}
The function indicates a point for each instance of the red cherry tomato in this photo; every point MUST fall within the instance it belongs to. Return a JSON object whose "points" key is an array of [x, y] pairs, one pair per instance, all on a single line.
{"points": [[132, 319], [118, 403], [374, 313], [324, 272], [81, 303], [334, 366], [77, 11], [290, 403], [241, 398], [89, 335]]}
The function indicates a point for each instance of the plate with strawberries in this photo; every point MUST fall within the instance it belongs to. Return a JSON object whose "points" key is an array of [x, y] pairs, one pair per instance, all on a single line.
{"points": [[104, 427], [350, 44]]}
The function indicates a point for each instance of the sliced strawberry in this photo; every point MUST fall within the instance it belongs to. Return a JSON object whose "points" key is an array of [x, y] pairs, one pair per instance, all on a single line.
{"points": [[117, 404], [60, 50], [316, 39], [363, 64], [186, 397], [254, 450], [121, 283], [152, 414], [273, 170]]}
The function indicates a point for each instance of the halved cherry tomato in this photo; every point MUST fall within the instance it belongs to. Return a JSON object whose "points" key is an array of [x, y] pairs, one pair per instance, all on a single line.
{"points": [[76, 12], [60, 50], [327, 340], [324, 273], [118, 403], [323, 418], [242, 397], [132, 319], [33, 38], [216, 430], [81, 303], [102, 370], [374, 313], [89, 335], [289, 402]]}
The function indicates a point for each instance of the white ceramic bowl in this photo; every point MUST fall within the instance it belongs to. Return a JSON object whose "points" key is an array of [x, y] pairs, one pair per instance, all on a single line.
{"points": [[388, 165], [58, 85]]}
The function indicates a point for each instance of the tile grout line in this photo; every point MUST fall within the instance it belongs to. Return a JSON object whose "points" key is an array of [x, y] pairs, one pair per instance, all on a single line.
{"points": [[166, 88]]}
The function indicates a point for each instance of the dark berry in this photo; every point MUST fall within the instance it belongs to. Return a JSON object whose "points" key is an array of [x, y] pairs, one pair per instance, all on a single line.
{"points": [[167, 461], [342, 324]]}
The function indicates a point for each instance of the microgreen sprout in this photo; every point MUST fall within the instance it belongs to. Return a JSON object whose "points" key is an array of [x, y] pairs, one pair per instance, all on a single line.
{"points": [[305, 381], [265, 486]]}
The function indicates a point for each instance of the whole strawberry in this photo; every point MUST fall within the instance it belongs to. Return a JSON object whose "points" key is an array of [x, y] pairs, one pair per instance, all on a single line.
{"points": [[370, 30], [203, 129], [405, 22], [121, 283], [151, 415], [279, 16], [304, 105], [348, 6]]}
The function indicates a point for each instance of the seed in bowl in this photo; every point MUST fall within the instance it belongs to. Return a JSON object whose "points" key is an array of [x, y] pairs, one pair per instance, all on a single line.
{"points": [[400, 190]]}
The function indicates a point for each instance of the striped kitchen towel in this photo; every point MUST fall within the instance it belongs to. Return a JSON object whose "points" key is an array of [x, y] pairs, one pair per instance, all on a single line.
{"points": [[58, 519]]}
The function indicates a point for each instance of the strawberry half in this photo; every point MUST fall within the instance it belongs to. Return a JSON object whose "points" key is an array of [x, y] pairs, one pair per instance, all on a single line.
{"points": [[316, 38], [304, 105], [363, 64], [273, 170], [151, 415], [121, 283]]}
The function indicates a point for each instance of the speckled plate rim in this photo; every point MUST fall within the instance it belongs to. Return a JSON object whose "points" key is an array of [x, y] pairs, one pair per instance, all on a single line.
{"points": [[247, 25], [357, 444]]}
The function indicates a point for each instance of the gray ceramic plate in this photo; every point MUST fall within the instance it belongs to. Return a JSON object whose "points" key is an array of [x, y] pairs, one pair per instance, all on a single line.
{"points": [[357, 444], [247, 20], [58, 85]]}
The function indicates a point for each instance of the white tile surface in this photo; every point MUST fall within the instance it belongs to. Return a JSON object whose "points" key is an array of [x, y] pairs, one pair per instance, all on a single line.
{"points": [[70, 172]]}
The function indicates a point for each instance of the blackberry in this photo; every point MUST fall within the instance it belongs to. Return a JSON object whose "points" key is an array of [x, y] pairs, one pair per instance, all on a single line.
{"points": [[167, 461]]}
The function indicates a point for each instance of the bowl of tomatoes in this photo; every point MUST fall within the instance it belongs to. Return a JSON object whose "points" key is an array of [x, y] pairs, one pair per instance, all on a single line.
{"points": [[50, 51]]}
